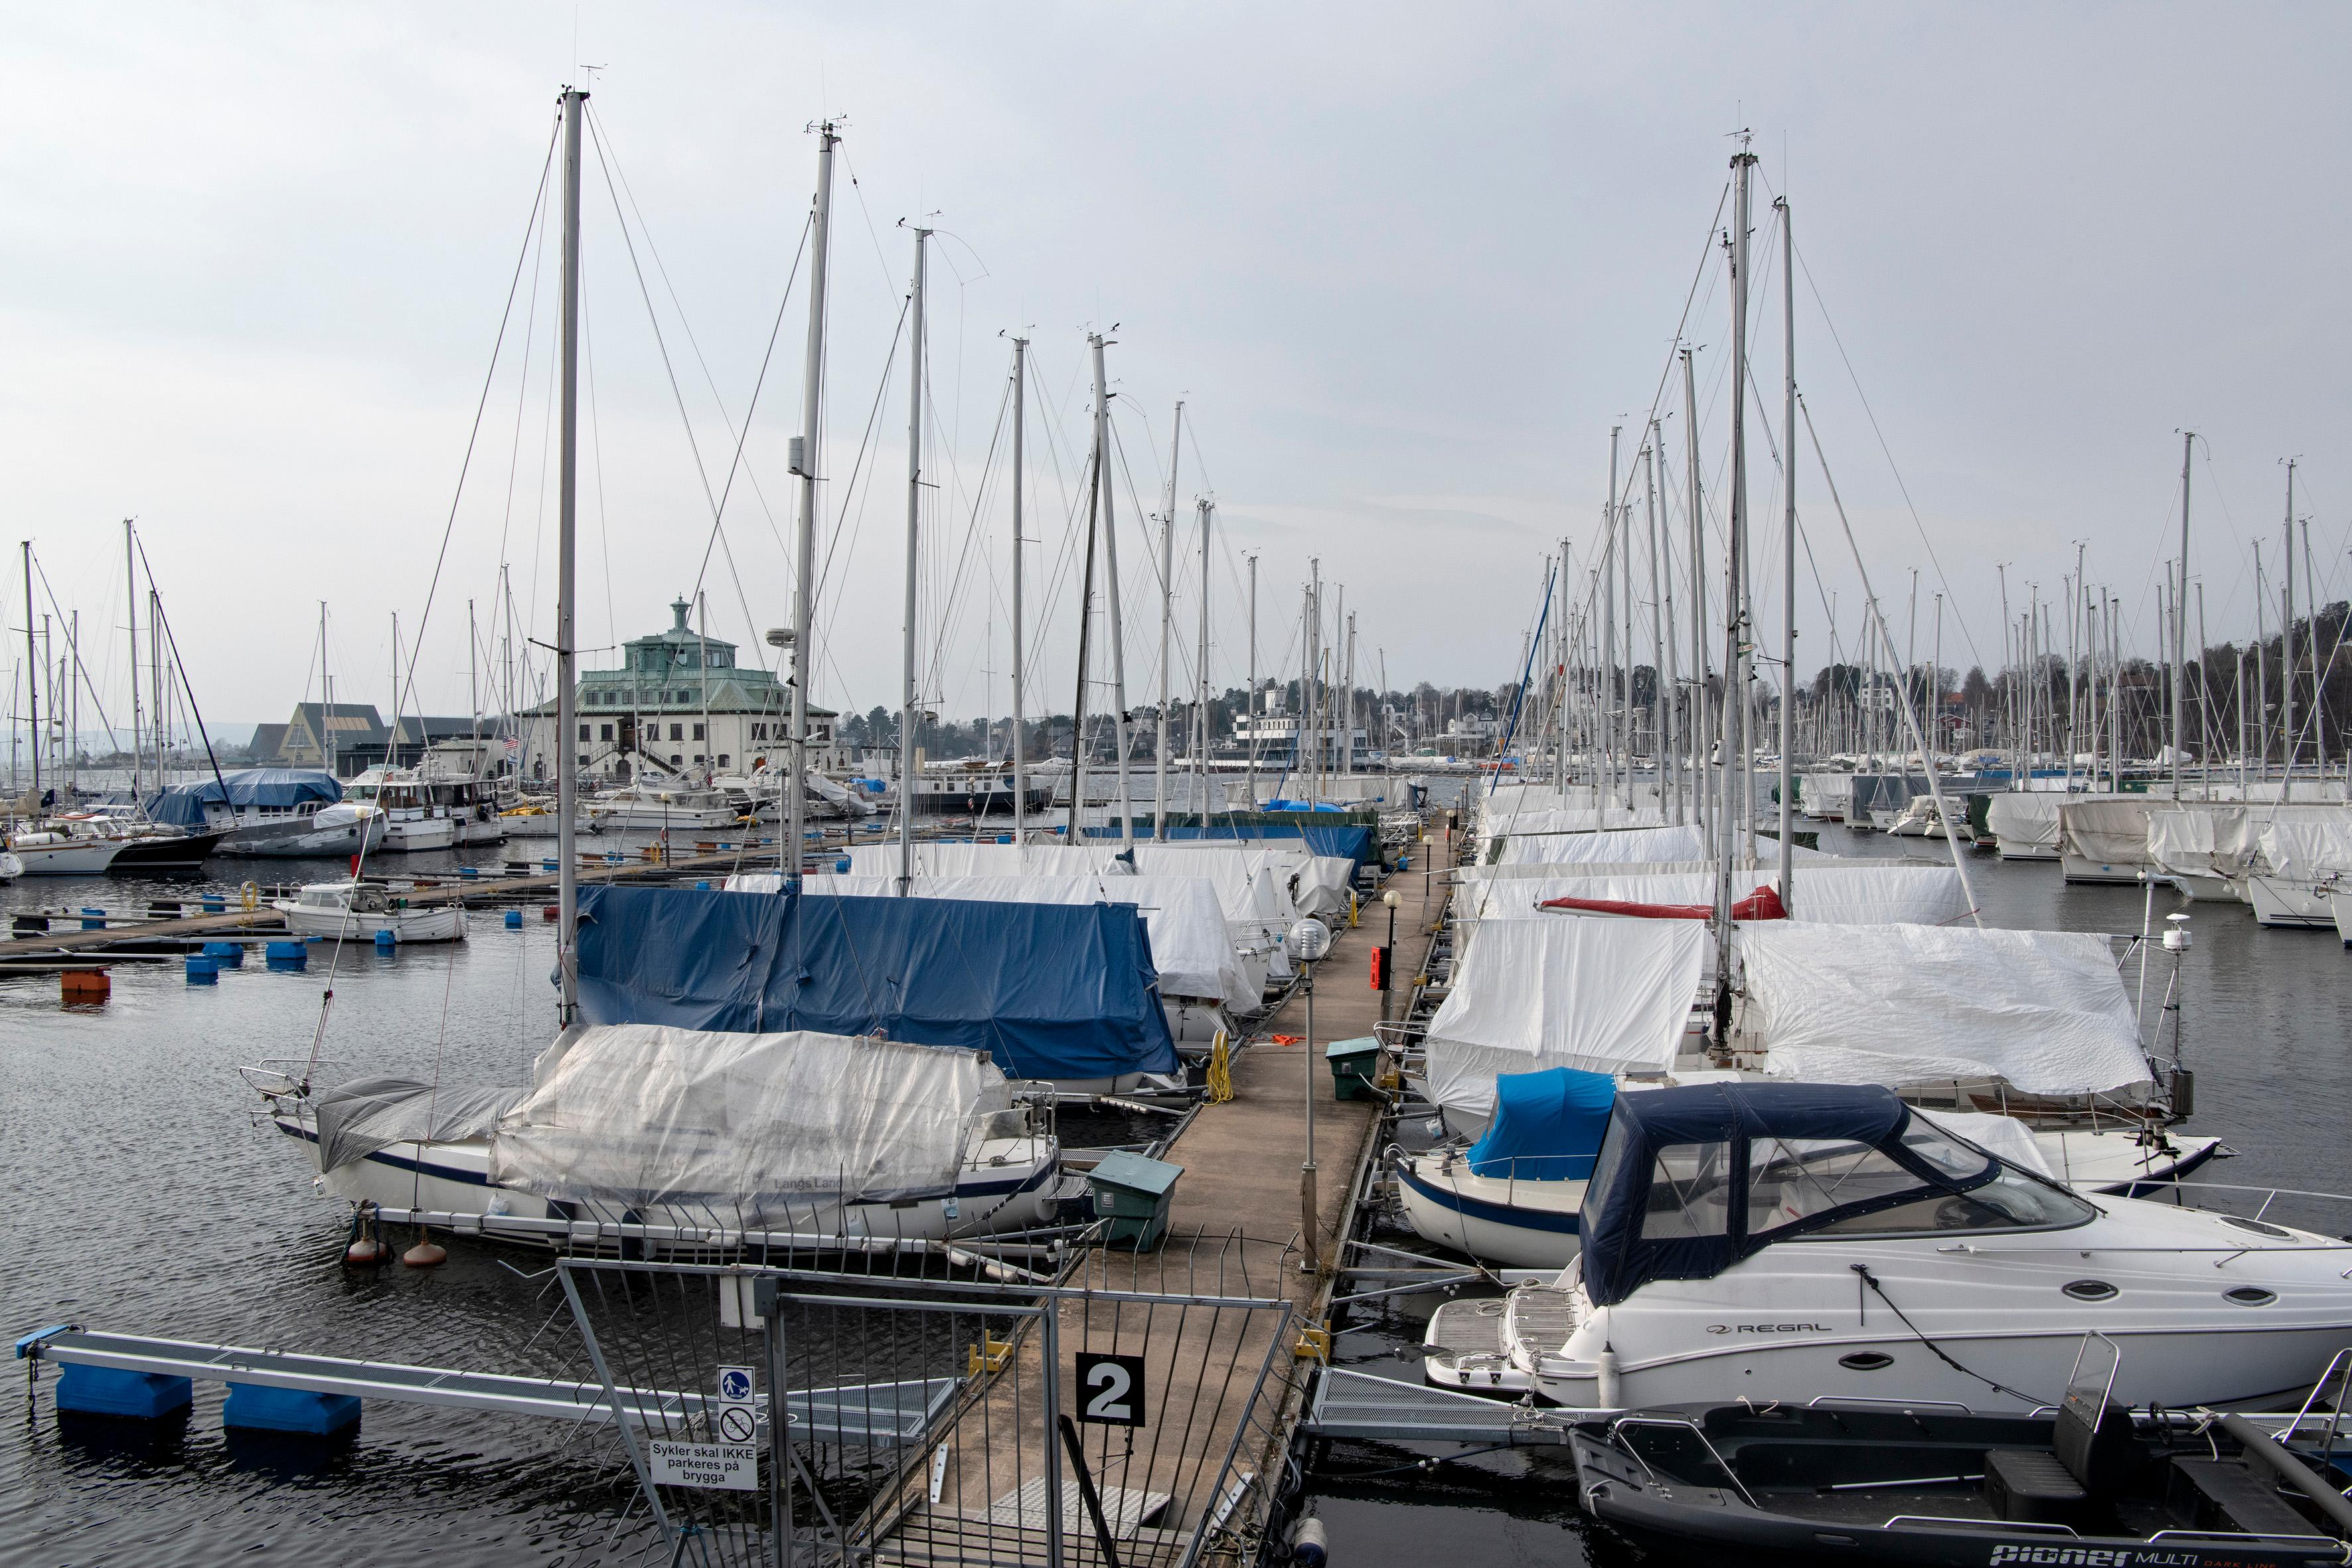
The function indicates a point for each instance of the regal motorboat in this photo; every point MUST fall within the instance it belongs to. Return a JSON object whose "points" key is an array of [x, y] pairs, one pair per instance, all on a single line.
{"points": [[357, 911], [1795, 1241], [691, 1140], [2090, 1481]]}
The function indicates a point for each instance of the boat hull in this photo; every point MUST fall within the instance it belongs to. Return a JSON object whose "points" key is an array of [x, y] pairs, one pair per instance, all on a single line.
{"points": [[2295, 906], [1516, 1225], [2098, 873], [291, 839], [446, 924], [80, 857]]}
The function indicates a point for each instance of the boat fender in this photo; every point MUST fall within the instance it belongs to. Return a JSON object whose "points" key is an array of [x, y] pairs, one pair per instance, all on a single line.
{"points": [[1612, 1390], [1310, 1545]]}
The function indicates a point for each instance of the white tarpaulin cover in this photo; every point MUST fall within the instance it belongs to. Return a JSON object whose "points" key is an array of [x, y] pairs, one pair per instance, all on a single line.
{"points": [[1465, 876], [2180, 838], [939, 859], [1256, 878], [1564, 819], [2024, 819], [1190, 949], [2045, 1011], [2309, 848], [2003, 1136], [1599, 996], [641, 1113], [1890, 894], [1613, 844], [2105, 832]]}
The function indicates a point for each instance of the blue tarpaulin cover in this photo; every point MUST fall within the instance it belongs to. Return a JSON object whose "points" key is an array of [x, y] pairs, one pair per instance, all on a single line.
{"points": [[182, 805], [1547, 1125], [1058, 991]]}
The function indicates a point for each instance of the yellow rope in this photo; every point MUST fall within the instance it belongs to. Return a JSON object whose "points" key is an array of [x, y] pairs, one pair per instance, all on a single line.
{"points": [[1220, 1071]]}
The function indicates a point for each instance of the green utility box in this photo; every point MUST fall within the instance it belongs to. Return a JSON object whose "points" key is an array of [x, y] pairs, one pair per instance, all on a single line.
{"points": [[1353, 1065], [1134, 1193]]}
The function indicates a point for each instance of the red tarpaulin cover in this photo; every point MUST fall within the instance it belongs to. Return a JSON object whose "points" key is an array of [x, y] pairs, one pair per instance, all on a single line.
{"points": [[1763, 904]]}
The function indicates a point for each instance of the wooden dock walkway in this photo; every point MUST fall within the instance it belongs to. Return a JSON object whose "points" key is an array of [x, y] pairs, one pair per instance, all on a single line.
{"points": [[1221, 1379]]}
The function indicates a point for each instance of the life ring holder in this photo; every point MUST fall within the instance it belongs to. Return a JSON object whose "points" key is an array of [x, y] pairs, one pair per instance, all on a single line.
{"points": [[249, 896]]}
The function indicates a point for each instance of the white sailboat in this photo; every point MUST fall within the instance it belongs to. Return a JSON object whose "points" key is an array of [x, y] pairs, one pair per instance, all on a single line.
{"points": [[360, 911]]}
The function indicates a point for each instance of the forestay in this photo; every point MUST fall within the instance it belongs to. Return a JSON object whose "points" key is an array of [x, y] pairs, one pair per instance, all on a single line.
{"points": [[2045, 1012], [641, 1114], [1597, 996]]}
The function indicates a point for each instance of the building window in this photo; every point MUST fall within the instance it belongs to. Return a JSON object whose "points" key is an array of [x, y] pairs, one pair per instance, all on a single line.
{"points": [[674, 733], [584, 731], [604, 732], [697, 757], [722, 759], [698, 733], [676, 761], [758, 731], [583, 759]]}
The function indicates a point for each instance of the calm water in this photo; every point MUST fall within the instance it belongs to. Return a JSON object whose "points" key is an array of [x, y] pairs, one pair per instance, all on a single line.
{"points": [[139, 1196]]}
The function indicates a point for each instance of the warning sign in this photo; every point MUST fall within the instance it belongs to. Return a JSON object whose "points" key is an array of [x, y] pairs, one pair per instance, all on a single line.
{"points": [[736, 1425], [724, 1467]]}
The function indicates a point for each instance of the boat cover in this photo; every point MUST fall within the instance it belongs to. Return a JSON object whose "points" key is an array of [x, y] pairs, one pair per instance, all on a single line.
{"points": [[1688, 1215], [1841, 893], [2181, 839], [1611, 844], [2309, 849], [1317, 884], [358, 1117], [182, 805], [1763, 904], [2106, 832], [2024, 819], [1516, 818], [1599, 996], [1051, 991], [1547, 1125], [2044, 1010], [643, 1114], [940, 857], [1190, 949], [1353, 845]]}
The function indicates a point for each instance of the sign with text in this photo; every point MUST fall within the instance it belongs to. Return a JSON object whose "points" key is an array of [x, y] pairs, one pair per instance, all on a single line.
{"points": [[720, 1467], [1110, 1389]]}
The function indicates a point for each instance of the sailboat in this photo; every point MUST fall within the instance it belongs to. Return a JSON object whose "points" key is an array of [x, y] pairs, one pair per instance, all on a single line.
{"points": [[832, 1138]]}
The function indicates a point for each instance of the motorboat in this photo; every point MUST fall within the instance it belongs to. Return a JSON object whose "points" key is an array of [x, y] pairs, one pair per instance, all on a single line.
{"points": [[661, 809], [535, 819], [2089, 1481], [358, 911], [146, 848], [691, 1142], [1794, 1241], [413, 820], [63, 850]]}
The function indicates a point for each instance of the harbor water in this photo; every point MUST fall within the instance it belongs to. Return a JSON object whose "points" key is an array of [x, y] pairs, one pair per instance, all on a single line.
{"points": [[141, 1196]]}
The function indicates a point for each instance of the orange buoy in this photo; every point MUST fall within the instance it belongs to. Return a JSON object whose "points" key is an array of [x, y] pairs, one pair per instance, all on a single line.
{"points": [[426, 1254], [367, 1252], [84, 985]]}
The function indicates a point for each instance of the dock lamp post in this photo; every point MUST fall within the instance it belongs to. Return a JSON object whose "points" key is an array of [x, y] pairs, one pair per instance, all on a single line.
{"points": [[1309, 941]]}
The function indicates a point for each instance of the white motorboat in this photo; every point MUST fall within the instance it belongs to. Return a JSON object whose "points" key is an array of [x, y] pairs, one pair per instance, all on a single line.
{"points": [[652, 807], [939, 1145], [59, 852], [1803, 1241], [532, 820], [357, 911], [1922, 819], [412, 820]]}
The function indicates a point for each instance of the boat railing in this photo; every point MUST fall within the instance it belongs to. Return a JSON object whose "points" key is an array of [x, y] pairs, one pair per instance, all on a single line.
{"points": [[1616, 1435]]}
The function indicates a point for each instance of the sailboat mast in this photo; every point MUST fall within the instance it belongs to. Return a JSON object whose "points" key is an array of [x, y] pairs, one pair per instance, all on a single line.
{"points": [[1608, 633], [907, 710], [1167, 622], [1661, 768], [1085, 639], [567, 766], [1201, 745], [131, 608], [2286, 649], [1250, 706], [1702, 793], [788, 859], [2180, 615], [1111, 588], [32, 674], [1788, 551], [1735, 659], [1020, 774]]}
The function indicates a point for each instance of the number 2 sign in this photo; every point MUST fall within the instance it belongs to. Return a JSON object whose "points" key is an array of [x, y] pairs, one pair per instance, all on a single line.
{"points": [[1110, 1389]]}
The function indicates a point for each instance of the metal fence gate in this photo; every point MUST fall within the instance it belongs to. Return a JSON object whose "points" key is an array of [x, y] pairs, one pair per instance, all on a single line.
{"points": [[1115, 1418]]}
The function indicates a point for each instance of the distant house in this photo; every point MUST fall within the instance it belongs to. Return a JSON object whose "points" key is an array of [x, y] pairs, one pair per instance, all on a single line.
{"points": [[268, 740], [680, 705], [347, 738]]}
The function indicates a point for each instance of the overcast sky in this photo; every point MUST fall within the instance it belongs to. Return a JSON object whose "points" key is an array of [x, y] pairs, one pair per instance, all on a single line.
{"points": [[1406, 265]]}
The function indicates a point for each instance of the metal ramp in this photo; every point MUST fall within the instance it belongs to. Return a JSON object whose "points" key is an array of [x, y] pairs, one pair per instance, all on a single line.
{"points": [[1381, 1409], [876, 1415]]}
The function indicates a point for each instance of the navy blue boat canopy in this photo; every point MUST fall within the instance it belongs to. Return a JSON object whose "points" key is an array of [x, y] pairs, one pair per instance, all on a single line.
{"points": [[279, 789], [1693, 1178], [1347, 843], [1547, 1125], [1051, 991]]}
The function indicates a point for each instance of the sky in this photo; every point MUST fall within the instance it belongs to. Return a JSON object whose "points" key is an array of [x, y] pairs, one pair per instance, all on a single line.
{"points": [[1405, 267]]}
